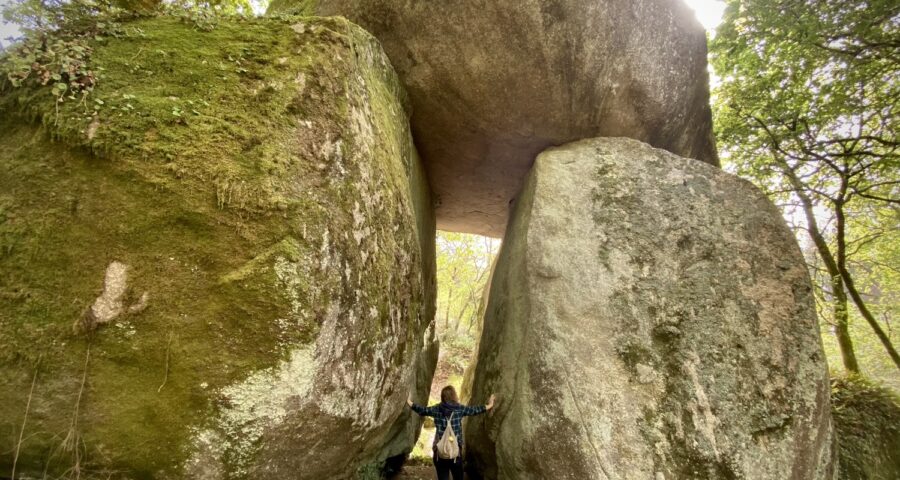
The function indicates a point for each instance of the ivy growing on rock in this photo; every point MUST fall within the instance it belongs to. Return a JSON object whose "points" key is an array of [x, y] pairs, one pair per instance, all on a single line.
{"points": [[55, 49]]}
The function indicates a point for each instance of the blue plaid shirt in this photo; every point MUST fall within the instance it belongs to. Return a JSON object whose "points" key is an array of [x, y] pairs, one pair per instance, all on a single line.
{"points": [[441, 413]]}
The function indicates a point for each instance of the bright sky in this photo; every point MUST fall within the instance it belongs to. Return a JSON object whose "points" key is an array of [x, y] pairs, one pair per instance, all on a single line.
{"points": [[6, 29], [709, 12]]}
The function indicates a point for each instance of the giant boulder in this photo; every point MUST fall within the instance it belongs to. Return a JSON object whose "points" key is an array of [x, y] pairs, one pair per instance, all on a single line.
{"points": [[494, 83], [650, 317], [223, 267]]}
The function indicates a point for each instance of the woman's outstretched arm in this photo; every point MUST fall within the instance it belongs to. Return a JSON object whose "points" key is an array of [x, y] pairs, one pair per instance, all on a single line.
{"points": [[423, 411], [478, 409]]}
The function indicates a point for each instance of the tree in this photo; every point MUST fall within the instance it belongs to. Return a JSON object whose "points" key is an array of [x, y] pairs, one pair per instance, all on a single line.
{"points": [[875, 265], [463, 265], [807, 109]]}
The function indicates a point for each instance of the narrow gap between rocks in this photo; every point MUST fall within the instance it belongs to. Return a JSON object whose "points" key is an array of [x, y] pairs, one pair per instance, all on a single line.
{"points": [[463, 270]]}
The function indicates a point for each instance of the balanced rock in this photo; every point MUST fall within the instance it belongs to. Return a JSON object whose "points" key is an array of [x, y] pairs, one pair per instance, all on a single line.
{"points": [[223, 268], [650, 317], [492, 84]]}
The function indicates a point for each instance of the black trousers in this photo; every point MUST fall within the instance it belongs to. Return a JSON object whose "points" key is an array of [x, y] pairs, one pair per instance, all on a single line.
{"points": [[447, 467]]}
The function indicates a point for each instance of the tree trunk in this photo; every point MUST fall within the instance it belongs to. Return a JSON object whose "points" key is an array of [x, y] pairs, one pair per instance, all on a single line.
{"points": [[854, 294], [462, 314], [447, 310], [841, 313], [841, 330], [833, 267]]}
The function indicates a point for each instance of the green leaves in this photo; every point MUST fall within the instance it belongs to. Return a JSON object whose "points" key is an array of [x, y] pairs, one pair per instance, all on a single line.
{"points": [[807, 109], [56, 34], [811, 86], [55, 50], [463, 268], [59, 89]]}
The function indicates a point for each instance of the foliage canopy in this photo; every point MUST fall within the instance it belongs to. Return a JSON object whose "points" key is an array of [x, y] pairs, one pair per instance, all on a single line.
{"points": [[807, 109]]}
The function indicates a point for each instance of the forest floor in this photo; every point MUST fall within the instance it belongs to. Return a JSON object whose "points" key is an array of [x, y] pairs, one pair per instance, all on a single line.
{"points": [[416, 472], [417, 469]]}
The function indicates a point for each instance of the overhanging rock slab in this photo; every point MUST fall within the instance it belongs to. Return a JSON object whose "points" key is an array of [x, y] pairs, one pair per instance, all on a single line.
{"points": [[494, 83]]}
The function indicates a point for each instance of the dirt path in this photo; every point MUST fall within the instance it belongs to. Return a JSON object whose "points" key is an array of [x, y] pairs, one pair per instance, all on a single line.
{"points": [[416, 472]]}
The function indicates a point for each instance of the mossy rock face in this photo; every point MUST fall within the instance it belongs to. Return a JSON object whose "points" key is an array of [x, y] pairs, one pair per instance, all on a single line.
{"points": [[221, 265], [867, 423], [649, 317]]}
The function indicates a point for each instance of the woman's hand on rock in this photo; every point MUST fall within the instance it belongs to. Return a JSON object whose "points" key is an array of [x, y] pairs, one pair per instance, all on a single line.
{"points": [[409, 401], [490, 403]]}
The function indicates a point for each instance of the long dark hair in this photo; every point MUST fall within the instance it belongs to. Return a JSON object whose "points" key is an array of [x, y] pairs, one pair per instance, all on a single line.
{"points": [[448, 395]]}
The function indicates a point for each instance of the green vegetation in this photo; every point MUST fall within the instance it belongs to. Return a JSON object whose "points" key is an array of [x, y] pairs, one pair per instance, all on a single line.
{"points": [[464, 263], [867, 421], [299, 7], [807, 110], [463, 269]]}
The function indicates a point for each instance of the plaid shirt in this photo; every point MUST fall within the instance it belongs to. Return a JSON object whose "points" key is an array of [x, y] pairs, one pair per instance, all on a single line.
{"points": [[442, 412]]}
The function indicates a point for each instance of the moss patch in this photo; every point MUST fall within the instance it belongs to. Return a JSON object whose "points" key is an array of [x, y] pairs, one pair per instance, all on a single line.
{"points": [[299, 7]]}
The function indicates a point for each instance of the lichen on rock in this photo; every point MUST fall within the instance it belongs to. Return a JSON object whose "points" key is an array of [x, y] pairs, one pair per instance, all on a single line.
{"points": [[110, 304]]}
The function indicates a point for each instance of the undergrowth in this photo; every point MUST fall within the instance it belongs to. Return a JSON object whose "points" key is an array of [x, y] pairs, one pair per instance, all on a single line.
{"points": [[56, 45], [867, 421]]}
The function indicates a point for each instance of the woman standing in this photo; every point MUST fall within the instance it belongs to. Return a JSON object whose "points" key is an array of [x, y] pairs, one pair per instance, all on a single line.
{"points": [[449, 409]]}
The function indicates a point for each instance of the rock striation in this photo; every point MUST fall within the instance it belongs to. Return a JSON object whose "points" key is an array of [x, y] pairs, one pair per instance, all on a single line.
{"points": [[650, 317], [223, 267], [492, 84]]}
